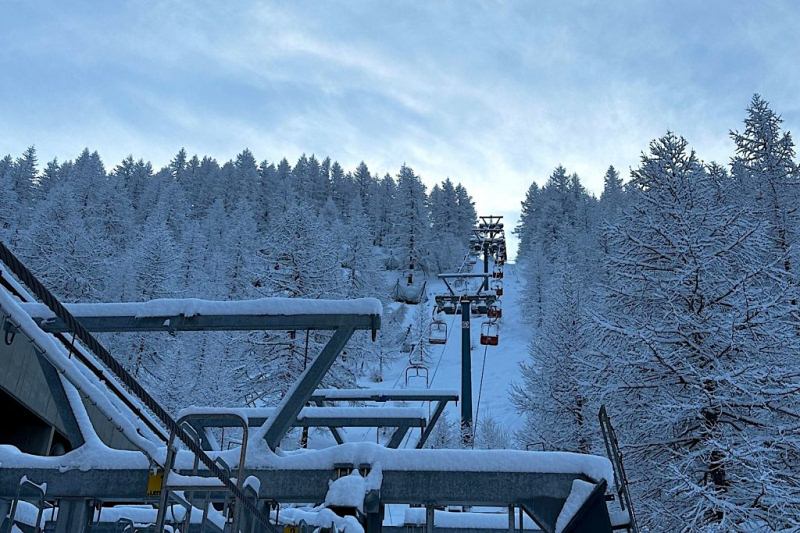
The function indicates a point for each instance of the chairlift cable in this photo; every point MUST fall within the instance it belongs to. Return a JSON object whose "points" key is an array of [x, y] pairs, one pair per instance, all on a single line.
{"points": [[480, 393]]}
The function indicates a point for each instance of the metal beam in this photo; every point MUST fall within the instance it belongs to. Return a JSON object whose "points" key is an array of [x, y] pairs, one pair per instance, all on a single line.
{"points": [[174, 323], [466, 373], [397, 437], [367, 417], [431, 424], [300, 393], [369, 395], [442, 487]]}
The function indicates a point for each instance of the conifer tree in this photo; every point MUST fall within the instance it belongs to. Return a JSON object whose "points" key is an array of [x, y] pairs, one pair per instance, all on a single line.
{"points": [[411, 222], [698, 353]]}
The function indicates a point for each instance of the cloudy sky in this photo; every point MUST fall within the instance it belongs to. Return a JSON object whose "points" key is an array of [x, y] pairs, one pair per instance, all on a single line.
{"points": [[494, 94]]}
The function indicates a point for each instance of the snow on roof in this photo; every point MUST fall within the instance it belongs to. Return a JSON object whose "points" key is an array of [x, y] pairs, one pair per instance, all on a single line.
{"points": [[593, 466], [189, 307]]}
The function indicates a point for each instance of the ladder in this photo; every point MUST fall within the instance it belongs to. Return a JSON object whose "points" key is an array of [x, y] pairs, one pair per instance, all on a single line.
{"points": [[620, 478]]}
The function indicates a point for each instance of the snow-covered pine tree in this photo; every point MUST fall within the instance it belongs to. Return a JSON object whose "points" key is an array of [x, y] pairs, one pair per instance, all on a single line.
{"points": [[9, 202], [411, 241], [25, 175], [466, 216], [155, 262], [451, 246], [381, 210], [702, 373], [60, 248], [553, 395], [770, 180]]}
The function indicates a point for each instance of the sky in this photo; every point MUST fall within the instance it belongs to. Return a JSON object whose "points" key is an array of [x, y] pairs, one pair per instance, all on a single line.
{"points": [[492, 94]]}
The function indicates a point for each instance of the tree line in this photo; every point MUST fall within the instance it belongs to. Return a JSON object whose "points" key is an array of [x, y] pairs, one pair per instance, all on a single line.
{"points": [[236, 230]]}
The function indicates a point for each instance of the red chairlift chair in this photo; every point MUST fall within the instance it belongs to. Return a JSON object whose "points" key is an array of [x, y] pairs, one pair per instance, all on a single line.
{"points": [[489, 334]]}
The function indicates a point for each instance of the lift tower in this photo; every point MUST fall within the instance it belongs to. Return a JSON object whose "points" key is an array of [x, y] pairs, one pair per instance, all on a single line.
{"points": [[491, 235], [464, 302]]}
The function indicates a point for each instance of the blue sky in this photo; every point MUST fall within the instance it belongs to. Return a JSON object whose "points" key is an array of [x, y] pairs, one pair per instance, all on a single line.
{"points": [[494, 94]]}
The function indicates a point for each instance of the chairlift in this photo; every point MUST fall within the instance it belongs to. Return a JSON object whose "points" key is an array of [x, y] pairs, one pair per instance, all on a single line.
{"points": [[416, 370], [479, 308], [495, 310], [489, 334], [438, 332], [497, 287], [447, 307], [497, 272]]}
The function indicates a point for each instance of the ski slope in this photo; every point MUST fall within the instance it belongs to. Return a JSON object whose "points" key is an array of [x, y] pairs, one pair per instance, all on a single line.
{"points": [[499, 364]]}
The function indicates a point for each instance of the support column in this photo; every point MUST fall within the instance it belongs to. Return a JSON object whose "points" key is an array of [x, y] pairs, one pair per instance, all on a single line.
{"points": [[511, 526], [429, 519], [74, 515], [485, 284], [374, 510], [5, 508], [466, 374], [397, 437]]}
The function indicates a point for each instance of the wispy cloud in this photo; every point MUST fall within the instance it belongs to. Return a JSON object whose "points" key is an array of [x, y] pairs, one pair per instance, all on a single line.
{"points": [[491, 93]]}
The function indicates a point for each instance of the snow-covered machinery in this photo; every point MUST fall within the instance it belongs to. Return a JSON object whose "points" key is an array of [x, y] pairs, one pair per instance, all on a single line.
{"points": [[490, 335], [437, 333]]}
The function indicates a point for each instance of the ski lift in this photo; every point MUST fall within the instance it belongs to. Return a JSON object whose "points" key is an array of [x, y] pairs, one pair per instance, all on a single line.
{"points": [[489, 334], [497, 273], [416, 370], [438, 332], [495, 310], [497, 287], [447, 307], [479, 308]]}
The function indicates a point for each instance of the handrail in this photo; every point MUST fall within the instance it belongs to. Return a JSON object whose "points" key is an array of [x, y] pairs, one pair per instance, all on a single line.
{"points": [[615, 455]]}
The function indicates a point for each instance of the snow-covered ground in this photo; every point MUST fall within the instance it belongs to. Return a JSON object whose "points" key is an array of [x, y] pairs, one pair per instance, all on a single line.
{"points": [[501, 362]]}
